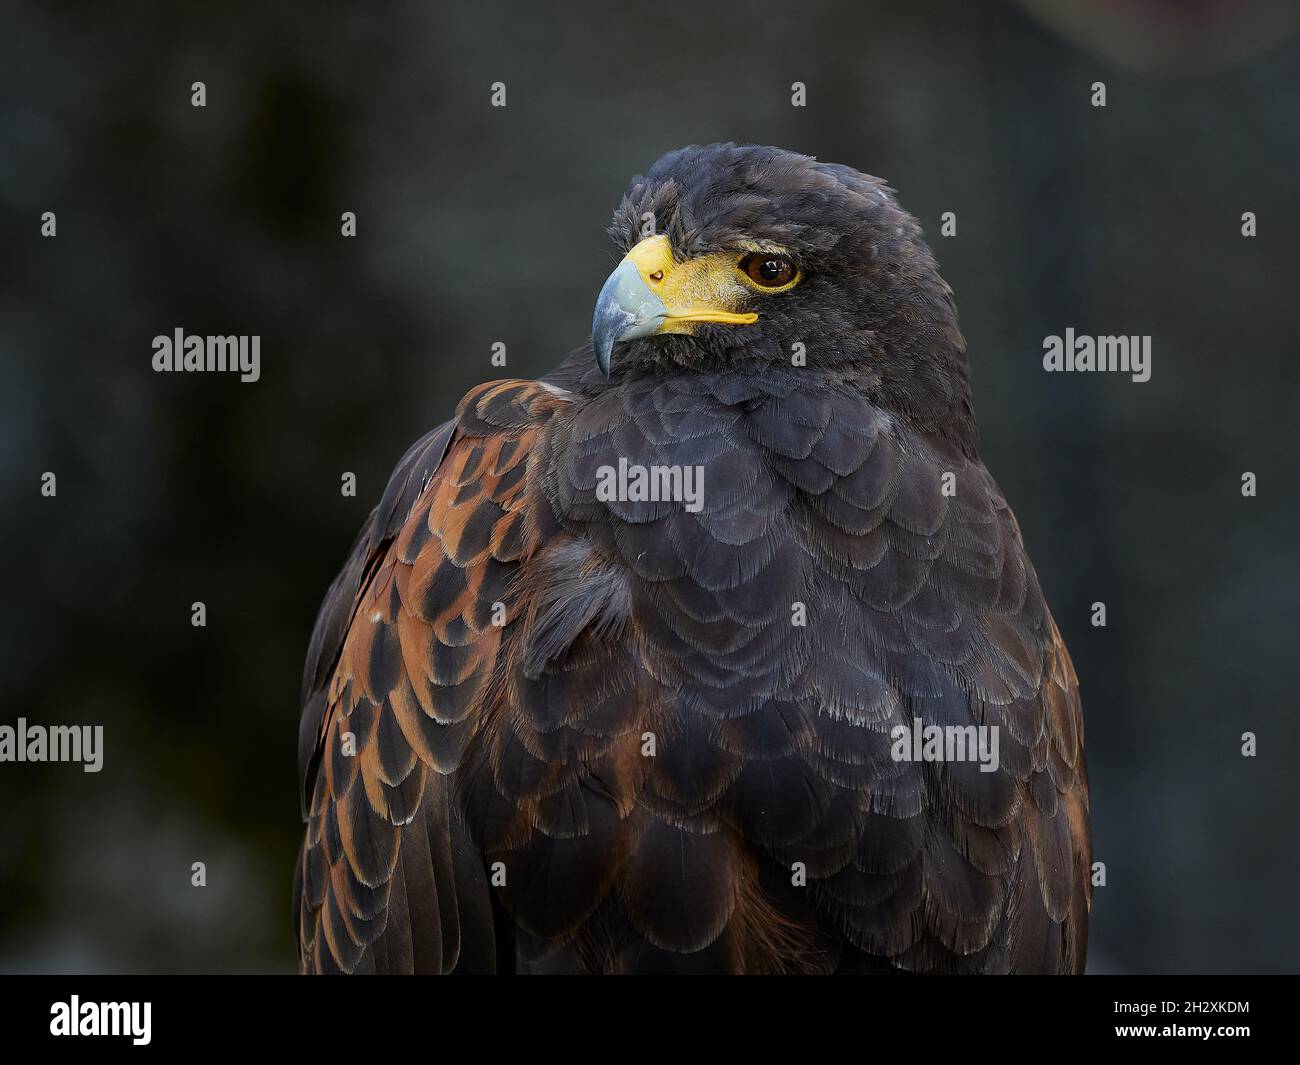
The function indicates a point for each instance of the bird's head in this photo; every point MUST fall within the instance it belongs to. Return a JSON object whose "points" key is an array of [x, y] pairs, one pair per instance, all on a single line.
{"points": [[752, 256]]}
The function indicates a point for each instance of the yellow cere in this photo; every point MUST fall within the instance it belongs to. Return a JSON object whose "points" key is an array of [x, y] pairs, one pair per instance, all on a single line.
{"points": [[705, 288]]}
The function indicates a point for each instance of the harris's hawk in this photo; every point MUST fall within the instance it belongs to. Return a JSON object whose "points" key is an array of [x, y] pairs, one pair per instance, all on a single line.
{"points": [[623, 673]]}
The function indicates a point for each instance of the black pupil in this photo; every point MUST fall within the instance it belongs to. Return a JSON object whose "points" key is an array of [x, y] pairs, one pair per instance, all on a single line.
{"points": [[771, 269]]}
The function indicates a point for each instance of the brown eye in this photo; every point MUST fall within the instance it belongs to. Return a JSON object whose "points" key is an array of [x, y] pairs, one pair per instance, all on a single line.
{"points": [[768, 271]]}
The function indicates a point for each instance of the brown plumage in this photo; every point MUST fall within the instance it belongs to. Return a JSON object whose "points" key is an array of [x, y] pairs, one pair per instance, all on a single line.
{"points": [[549, 731]]}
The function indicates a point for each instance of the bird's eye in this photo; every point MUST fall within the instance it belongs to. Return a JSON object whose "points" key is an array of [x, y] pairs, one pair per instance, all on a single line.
{"points": [[769, 271]]}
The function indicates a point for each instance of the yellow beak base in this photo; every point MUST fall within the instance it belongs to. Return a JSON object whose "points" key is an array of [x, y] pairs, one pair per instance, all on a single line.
{"points": [[702, 289]]}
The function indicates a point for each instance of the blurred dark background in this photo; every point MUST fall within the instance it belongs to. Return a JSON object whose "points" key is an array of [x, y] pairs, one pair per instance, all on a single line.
{"points": [[478, 225]]}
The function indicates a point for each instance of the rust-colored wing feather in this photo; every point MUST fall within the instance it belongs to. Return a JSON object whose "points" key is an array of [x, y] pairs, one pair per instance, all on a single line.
{"points": [[405, 649]]}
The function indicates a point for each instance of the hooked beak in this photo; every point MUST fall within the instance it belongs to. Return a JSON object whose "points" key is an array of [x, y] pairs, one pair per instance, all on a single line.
{"points": [[625, 309], [650, 292]]}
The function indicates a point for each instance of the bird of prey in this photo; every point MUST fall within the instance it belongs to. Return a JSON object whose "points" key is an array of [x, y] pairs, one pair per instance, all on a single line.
{"points": [[624, 671]]}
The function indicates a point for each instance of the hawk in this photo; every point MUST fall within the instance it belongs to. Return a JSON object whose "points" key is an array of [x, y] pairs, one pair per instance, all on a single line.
{"points": [[562, 719]]}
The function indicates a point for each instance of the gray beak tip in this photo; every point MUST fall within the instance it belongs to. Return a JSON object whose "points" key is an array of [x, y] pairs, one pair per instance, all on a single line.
{"points": [[625, 309], [603, 335], [602, 355]]}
